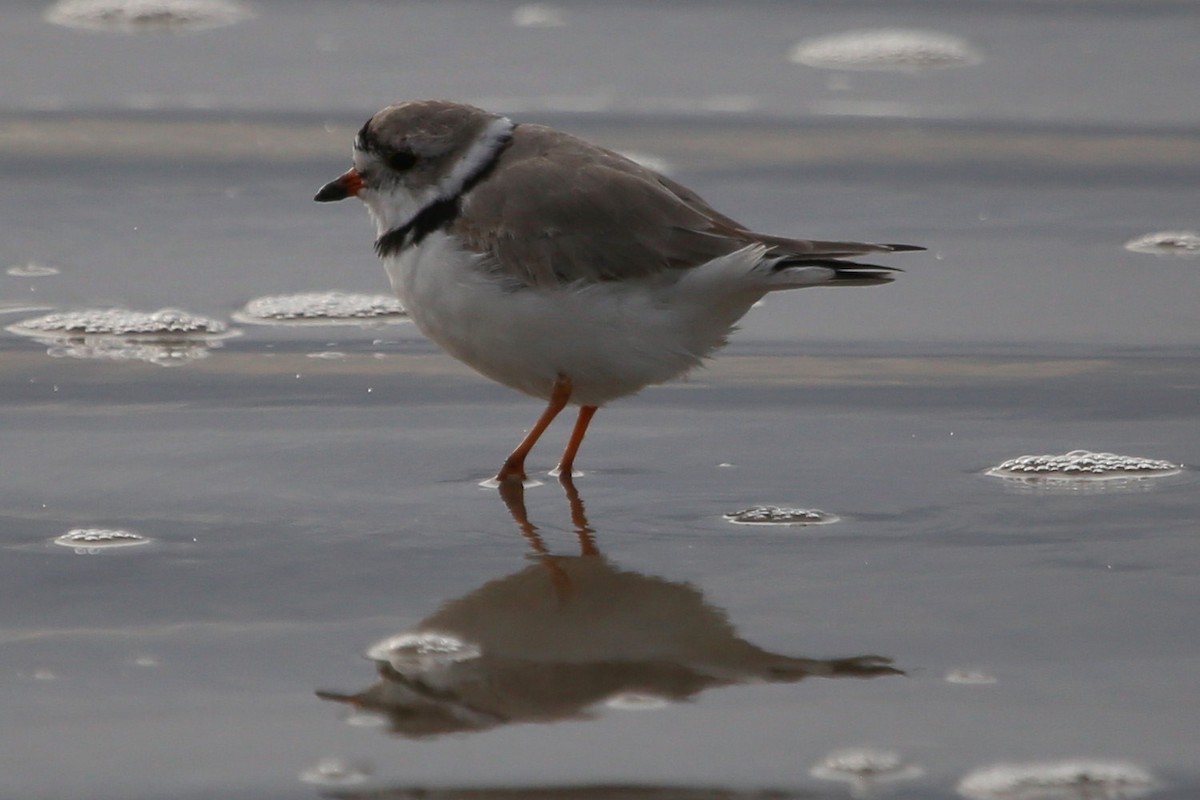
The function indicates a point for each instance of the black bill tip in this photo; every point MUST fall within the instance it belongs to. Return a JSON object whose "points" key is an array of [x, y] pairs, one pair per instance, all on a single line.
{"points": [[334, 190], [348, 184]]}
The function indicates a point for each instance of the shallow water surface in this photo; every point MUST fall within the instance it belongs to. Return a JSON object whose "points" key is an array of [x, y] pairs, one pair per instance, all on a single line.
{"points": [[298, 520], [324, 602]]}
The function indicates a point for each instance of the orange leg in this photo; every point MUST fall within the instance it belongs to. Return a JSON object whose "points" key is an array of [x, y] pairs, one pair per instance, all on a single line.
{"points": [[514, 465], [581, 426]]}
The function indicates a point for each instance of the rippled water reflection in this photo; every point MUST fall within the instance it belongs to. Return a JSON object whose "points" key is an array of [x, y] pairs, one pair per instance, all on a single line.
{"points": [[562, 639]]}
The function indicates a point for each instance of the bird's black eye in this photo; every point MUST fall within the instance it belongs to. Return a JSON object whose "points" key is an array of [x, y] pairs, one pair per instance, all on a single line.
{"points": [[401, 160]]}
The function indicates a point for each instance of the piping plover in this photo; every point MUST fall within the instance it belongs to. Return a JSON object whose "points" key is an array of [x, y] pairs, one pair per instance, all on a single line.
{"points": [[559, 268]]}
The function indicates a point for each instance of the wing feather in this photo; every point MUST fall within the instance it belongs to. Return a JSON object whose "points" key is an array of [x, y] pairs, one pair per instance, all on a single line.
{"points": [[560, 210]]}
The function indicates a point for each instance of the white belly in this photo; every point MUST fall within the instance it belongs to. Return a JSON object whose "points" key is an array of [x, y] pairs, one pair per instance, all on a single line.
{"points": [[610, 338]]}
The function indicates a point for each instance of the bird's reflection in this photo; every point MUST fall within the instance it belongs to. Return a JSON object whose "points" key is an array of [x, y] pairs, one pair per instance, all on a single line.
{"points": [[563, 637]]}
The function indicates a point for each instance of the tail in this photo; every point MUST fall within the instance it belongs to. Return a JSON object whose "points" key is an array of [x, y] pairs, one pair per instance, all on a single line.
{"points": [[804, 263]]}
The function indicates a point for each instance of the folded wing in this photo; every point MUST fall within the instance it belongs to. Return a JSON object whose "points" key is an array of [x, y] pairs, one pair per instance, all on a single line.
{"points": [[588, 214]]}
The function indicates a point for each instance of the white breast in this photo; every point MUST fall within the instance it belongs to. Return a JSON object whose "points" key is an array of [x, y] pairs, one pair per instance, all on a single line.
{"points": [[610, 338]]}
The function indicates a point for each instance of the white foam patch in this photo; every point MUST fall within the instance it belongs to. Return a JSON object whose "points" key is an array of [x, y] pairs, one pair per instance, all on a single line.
{"points": [[164, 324], [336, 772], [1058, 780], [365, 719], [1184, 244], [161, 355], [780, 515], [167, 337], [322, 308], [1082, 466], [538, 15], [636, 701], [93, 540], [894, 50], [31, 270], [863, 768], [147, 16], [411, 653], [970, 677]]}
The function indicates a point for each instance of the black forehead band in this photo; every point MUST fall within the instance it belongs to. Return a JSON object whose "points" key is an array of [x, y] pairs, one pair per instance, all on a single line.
{"points": [[364, 140]]}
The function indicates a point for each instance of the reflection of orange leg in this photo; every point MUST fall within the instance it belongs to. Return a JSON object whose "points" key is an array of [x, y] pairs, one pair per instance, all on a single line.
{"points": [[513, 494], [514, 465], [587, 542], [581, 425], [560, 581]]}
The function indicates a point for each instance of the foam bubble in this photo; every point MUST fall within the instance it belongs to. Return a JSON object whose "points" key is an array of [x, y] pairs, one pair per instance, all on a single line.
{"points": [[1082, 466], [636, 701], [162, 355], [147, 16], [778, 515], [336, 772], [167, 337], [166, 323], [423, 651], [1058, 780], [891, 50], [1167, 243], [322, 308], [364, 719], [970, 677], [538, 15], [93, 540], [31, 270], [863, 768]]}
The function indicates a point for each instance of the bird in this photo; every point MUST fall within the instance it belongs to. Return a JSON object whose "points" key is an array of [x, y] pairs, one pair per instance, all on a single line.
{"points": [[558, 267]]}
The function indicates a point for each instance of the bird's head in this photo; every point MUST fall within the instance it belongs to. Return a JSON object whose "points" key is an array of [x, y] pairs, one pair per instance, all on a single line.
{"points": [[412, 155]]}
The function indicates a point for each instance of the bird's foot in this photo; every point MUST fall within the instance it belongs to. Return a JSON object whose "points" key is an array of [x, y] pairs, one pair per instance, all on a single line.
{"points": [[565, 473], [510, 475]]}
